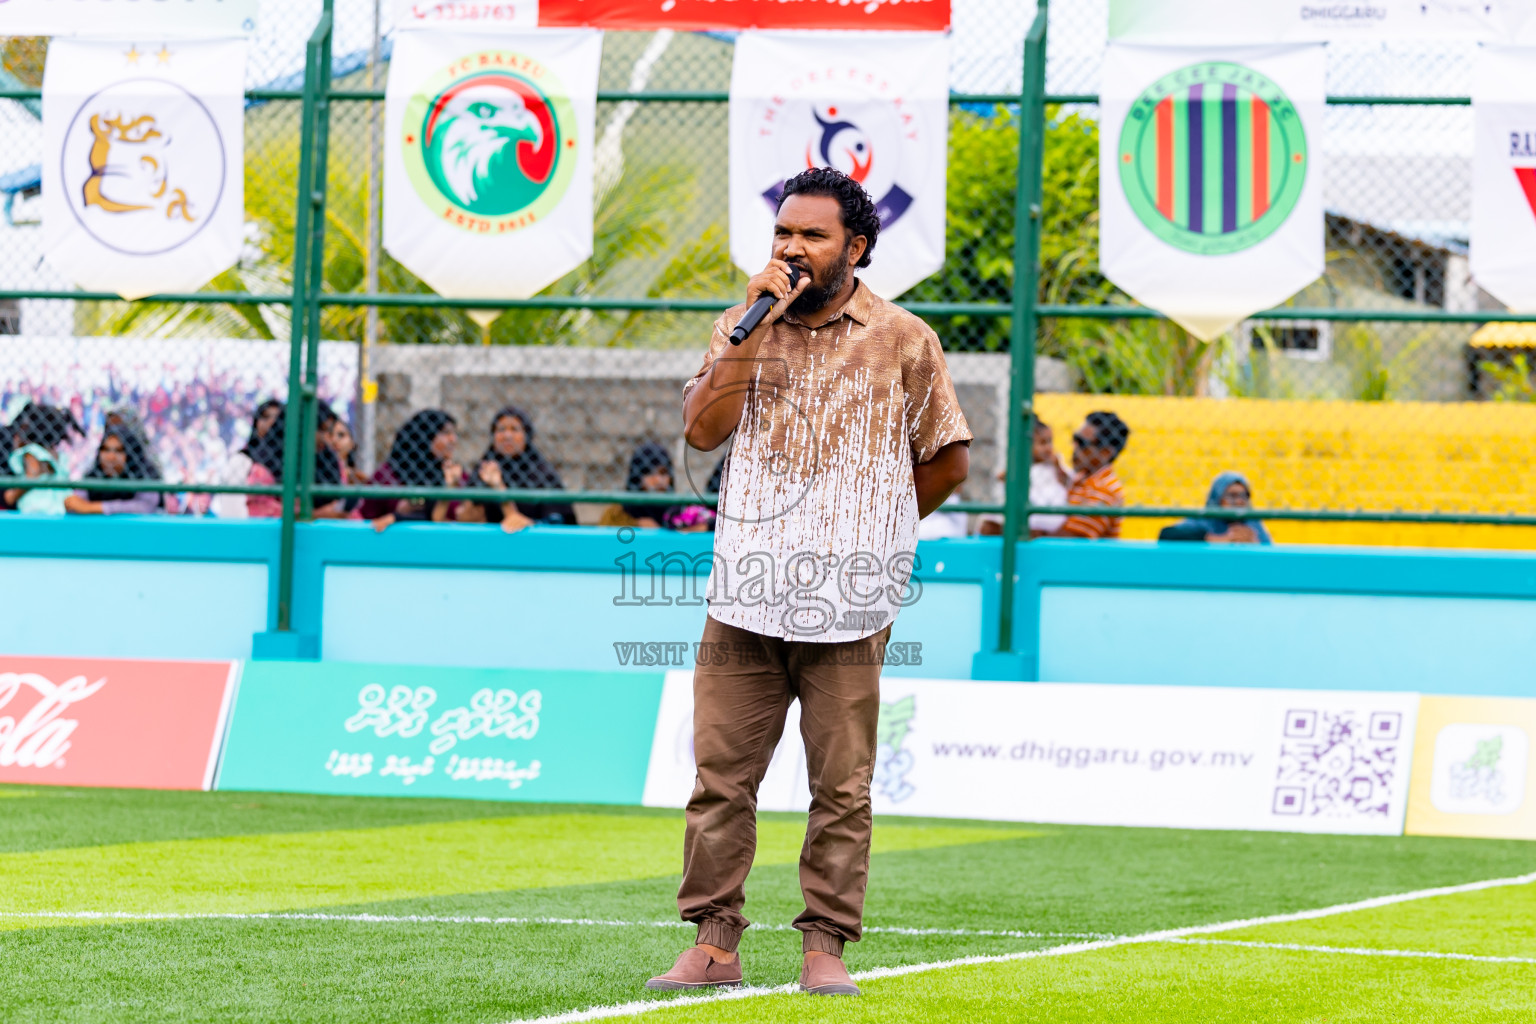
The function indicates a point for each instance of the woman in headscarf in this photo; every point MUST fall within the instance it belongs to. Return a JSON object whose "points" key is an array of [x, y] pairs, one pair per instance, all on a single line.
{"points": [[650, 471], [421, 456], [120, 456], [127, 417], [1229, 490], [345, 447], [511, 462], [341, 441], [267, 417], [265, 451], [266, 456], [329, 469], [36, 433]]}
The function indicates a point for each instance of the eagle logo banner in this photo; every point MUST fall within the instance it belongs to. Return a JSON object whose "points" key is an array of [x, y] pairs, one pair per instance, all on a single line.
{"points": [[488, 173]]}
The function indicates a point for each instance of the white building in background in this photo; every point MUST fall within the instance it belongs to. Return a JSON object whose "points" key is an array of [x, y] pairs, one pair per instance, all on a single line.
{"points": [[22, 267]]}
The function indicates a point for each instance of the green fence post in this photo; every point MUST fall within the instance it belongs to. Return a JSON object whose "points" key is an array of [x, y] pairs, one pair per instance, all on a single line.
{"points": [[284, 643], [319, 183], [1007, 662]]}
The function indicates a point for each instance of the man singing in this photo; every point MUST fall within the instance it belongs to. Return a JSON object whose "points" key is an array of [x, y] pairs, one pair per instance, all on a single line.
{"points": [[847, 431]]}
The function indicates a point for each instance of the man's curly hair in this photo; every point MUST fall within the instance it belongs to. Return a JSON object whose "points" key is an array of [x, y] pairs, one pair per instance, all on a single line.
{"points": [[859, 214]]}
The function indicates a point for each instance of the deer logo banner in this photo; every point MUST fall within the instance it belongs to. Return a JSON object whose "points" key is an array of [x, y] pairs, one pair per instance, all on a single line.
{"points": [[144, 165]]}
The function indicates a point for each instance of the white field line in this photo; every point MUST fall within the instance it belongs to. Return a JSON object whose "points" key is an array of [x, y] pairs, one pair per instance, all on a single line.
{"points": [[1360, 951], [644, 1006], [123, 915]]}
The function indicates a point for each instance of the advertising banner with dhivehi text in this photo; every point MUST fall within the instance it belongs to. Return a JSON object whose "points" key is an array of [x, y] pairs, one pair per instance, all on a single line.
{"points": [[113, 722], [398, 730], [143, 162], [488, 158], [1472, 769], [874, 107], [1502, 255], [1089, 754], [1210, 203]]}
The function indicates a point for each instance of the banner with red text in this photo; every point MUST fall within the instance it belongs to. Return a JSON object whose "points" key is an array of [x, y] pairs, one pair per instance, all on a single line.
{"points": [[100, 722], [488, 158], [876, 109], [911, 15], [1502, 254]]}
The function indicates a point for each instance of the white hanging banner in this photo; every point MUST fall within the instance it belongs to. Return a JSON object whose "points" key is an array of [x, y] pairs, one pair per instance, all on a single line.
{"points": [[1213, 22], [488, 158], [143, 162], [184, 18], [1503, 251], [1210, 206], [873, 106]]}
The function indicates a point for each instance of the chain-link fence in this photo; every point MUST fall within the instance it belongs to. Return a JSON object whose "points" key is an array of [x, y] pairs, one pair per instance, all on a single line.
{"points": [[1379, 388]]}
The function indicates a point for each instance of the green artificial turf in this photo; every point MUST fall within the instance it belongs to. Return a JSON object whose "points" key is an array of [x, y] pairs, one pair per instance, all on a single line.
{"points": [[1163, 984], [75, 850], [38, 818]]}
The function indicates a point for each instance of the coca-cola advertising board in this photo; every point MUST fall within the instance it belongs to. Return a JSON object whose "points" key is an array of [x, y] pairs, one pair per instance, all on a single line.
{"points": [[113, 722]]}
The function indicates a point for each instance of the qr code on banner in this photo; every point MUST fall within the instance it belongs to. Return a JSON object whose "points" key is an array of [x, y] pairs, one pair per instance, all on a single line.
{"points": [[1338, 764]]}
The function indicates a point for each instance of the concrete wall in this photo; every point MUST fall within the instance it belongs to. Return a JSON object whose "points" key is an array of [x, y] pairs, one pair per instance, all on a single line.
{"points": [[591, 407]]}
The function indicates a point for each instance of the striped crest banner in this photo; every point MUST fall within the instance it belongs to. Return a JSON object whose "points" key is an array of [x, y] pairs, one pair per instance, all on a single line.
{"points": [[1503, 251], [1210, 207]]}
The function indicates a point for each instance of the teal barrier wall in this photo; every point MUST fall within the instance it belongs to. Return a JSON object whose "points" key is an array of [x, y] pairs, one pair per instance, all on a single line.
{"points": [[109, 587], [1439, 622], [570, 737], [556, 597], [574, 597]]}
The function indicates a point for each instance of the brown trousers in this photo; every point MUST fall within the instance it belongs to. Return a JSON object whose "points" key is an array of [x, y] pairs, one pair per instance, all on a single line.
{"points": [[738, 717]]}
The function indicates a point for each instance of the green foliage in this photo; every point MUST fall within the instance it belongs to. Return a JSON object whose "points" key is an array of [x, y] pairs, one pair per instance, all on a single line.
{"points": [[1124, 357], [980, 189], [1512, 380], [1359, 349], [22, 59]]}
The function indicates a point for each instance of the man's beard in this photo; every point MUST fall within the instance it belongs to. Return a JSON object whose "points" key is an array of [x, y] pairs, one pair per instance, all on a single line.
{"points": [[817, 296]]}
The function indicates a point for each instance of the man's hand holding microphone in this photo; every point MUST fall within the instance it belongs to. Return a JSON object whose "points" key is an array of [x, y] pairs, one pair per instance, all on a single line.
{"points": [[769, 294], [714, 405]]}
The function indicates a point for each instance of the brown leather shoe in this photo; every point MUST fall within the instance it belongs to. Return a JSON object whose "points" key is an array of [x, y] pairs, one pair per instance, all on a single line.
{"points": [[825, 975], [697, 969]]}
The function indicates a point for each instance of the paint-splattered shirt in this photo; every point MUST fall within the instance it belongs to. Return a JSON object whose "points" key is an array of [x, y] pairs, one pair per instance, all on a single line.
{"points": [[817, 532]]}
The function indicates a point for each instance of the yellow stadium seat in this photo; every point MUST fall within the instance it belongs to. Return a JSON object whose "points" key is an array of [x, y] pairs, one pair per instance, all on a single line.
{"points": [[1335, 455]]}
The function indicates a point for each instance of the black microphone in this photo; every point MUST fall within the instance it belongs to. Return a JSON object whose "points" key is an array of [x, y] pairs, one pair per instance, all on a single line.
{"points": [[759, 309]]}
